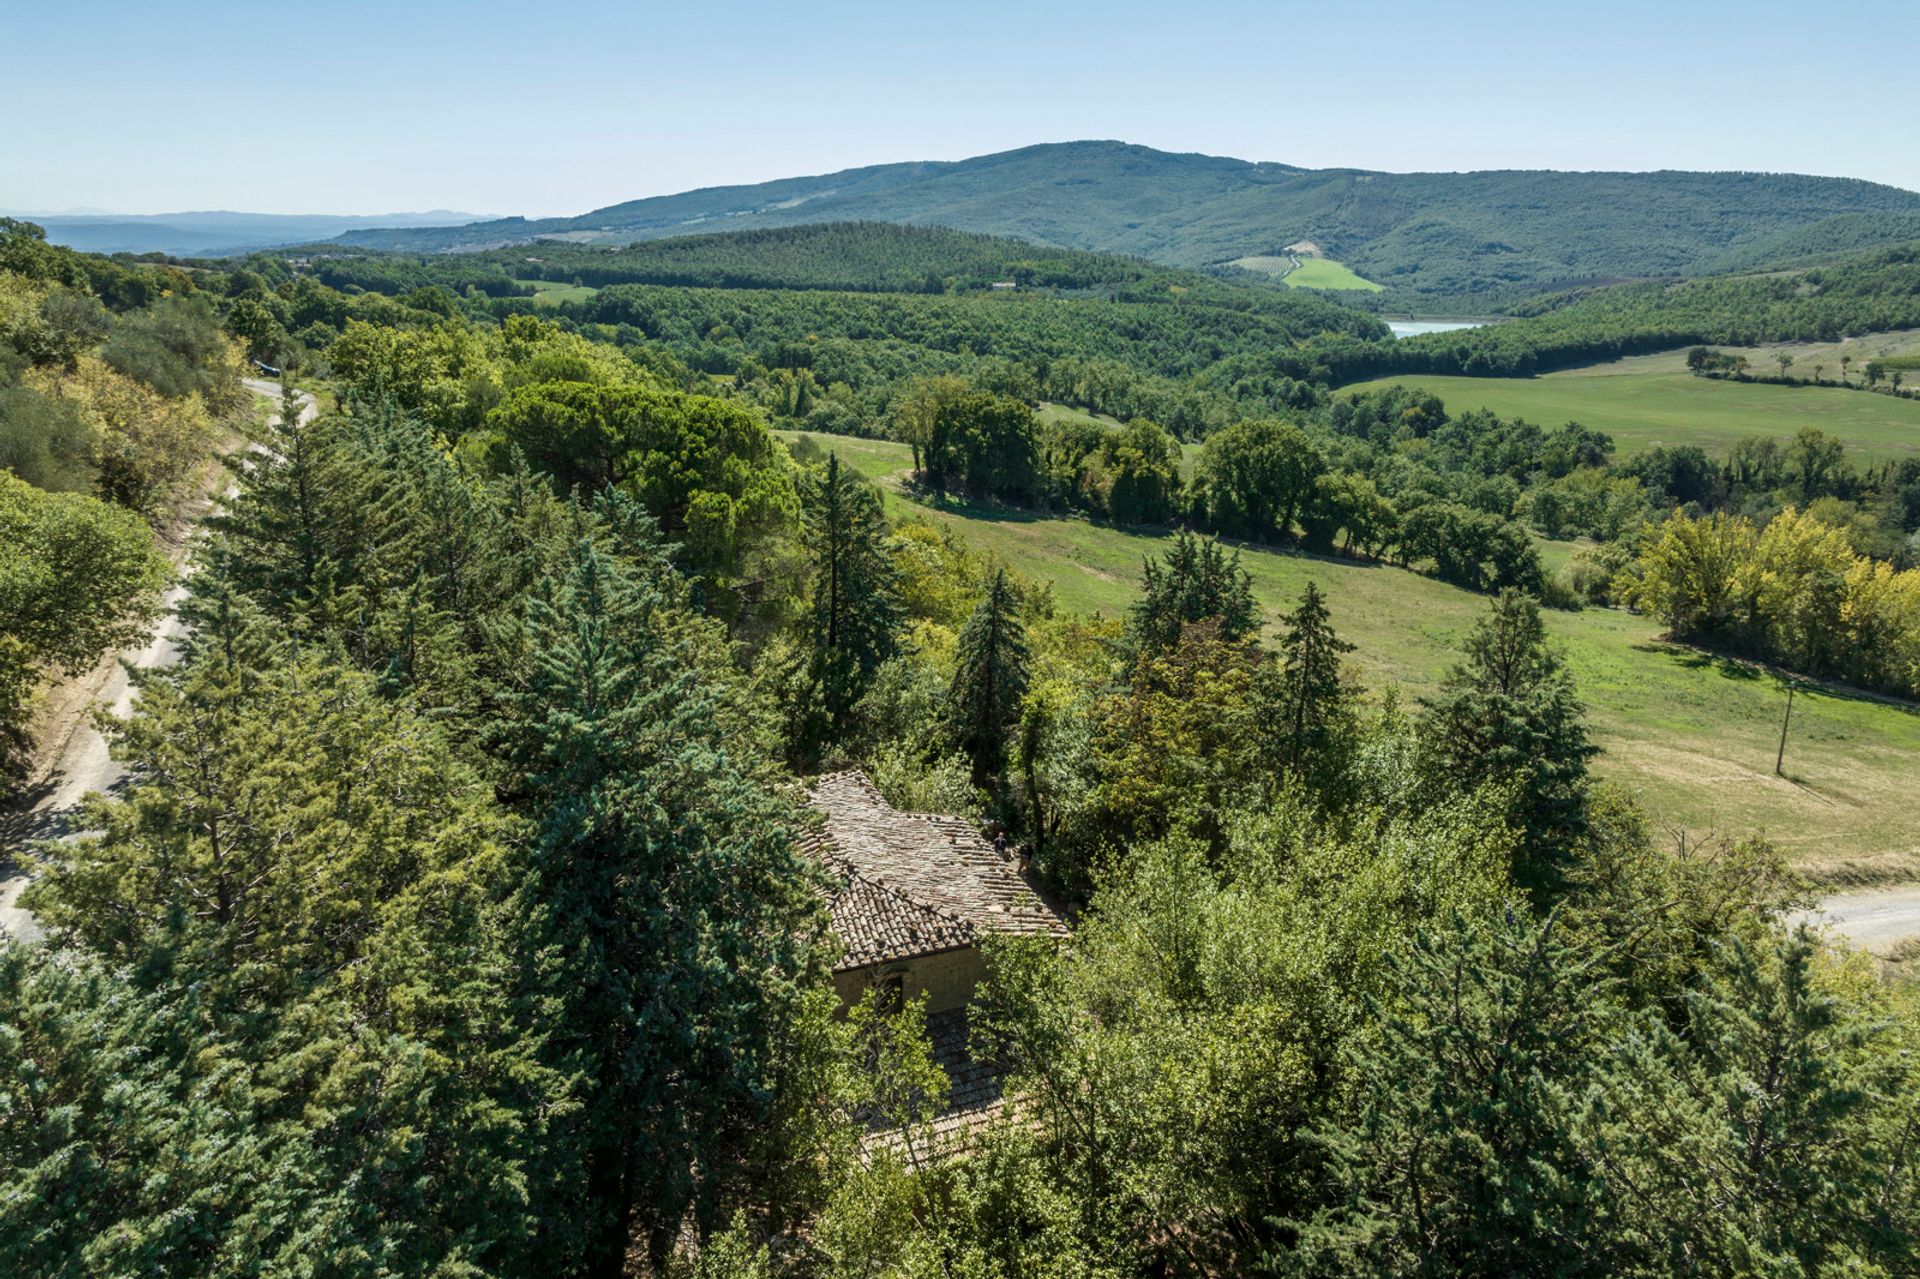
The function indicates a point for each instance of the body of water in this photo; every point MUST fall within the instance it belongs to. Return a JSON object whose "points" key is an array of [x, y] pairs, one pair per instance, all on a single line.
{"points": [[1408, 328]]}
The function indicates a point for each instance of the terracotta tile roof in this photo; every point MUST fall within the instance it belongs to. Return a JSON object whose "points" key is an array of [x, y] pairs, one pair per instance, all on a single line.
{"points": [[914, 883]]}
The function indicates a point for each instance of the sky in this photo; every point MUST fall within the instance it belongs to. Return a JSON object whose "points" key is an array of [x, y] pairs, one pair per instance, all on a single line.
{"points": [[558, 109]]}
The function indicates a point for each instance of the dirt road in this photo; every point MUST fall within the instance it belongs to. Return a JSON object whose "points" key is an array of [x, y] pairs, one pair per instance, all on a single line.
{"points": [[1878, 920], [77, 758]]}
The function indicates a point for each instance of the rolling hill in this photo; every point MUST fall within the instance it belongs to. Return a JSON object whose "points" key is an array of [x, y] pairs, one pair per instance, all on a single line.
{"points": [[1436, 234]]}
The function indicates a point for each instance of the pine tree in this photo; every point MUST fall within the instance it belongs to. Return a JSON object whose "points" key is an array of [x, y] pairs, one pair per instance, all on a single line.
{"points": [[1469, 1152], [1309, 706], [1508, 715], [856, 609], [989, 679], [674, 916], [1194, 581]]}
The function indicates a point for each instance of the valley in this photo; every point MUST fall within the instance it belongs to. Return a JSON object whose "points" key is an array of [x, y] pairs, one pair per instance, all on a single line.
{"points": [[926, 692]]}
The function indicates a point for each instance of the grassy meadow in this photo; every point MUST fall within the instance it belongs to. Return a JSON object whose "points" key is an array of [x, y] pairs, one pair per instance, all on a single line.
{"points": [[1324, 273], [1692, 737], [1312, 273], [553, 292], [1649, 400]]}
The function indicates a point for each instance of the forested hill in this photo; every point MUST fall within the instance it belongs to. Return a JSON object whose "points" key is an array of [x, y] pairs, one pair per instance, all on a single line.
{"points": [[851, 257], [1854, 295], [1442, 234]]}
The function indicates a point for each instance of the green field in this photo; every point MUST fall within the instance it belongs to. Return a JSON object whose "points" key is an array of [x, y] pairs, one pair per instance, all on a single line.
{"points": [[1649, 405], [1693, 738], [1312, 273], [1325, 273], [553, 292]]}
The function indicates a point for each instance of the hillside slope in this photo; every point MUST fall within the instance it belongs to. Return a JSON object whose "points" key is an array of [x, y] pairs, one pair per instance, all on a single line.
{"points": [[1433, 233], [1690, 736]]}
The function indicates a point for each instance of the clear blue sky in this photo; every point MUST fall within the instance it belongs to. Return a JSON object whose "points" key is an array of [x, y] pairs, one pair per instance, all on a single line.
{"points": [[559, 108]]}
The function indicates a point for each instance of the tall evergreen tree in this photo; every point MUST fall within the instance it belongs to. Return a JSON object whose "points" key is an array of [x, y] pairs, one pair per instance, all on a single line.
{"points": [[1195, 580], [989, 679], [300, 1044], [673, 914], [1309, 705], [855, 616], [1508, 715]]}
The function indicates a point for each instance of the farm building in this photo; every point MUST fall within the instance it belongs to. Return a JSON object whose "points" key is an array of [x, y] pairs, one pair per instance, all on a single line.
{"points": [[912, 896]]}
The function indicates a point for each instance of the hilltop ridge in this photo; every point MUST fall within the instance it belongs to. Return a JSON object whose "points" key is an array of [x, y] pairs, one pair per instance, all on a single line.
{"points": [[1439, 234]]}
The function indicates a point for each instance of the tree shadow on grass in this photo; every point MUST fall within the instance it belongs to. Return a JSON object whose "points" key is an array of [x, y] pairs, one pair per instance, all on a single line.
{"points": [[1748, 670], [987, 511]]}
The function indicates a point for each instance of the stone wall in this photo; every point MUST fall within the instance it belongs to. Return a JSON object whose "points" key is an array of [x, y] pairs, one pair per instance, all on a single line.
{"points": [[947, 978]]}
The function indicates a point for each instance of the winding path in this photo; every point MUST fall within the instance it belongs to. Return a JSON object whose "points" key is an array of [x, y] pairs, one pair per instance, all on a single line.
{"points": [[79, 762]]}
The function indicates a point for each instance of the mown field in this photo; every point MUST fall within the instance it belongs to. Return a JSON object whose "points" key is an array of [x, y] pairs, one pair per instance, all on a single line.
{"points": [[1692, 737], [553, 292], [1324, 273], [1312, 273], [1653, 400]]}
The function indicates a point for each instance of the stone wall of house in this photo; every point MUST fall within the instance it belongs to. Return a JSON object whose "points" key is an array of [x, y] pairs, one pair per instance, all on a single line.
{"points": [[947, 979]]}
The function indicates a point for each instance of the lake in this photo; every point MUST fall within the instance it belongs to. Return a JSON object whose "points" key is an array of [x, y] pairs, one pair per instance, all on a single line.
{"points": [[1408, 328]]}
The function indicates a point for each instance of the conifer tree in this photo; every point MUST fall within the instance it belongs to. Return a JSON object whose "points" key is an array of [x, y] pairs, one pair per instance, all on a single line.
{"points": [[1194, 581], [1308, 705], [989, 679], [674, 917], [1508, 715], [855, 615]]}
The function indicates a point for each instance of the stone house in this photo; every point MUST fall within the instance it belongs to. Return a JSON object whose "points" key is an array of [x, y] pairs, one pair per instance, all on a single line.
{"points": [[912, 896]]}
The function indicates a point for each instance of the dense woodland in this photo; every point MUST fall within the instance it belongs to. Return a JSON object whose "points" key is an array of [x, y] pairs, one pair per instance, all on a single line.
{"points": [[873, 257], [453, 922], [1439, 241]]}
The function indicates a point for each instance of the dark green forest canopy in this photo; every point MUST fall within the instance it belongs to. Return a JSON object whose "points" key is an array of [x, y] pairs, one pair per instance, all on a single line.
{"points": [[853, 257], [1453, 235]]}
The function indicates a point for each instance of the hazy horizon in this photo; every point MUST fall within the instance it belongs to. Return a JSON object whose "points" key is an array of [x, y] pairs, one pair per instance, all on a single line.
{"points": [[89, 211]]}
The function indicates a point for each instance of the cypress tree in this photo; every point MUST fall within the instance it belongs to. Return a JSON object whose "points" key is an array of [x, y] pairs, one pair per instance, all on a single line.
{"points": [[989, 679], [856, 609]]}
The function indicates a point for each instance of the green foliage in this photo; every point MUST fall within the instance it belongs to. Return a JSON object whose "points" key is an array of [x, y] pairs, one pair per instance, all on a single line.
{"points": [[1255, 477], [1793, 591], [1467, 1153], [1310, 702], [1195, 581], [673, 915], [858, 257], [704, 468], [45, 442], [1447, 234], [278, 991], [78, 579], [1469, 548], [854, 613], [1866, 293], [989, 679], [177, 347], [984, 445], [1507, 716]]}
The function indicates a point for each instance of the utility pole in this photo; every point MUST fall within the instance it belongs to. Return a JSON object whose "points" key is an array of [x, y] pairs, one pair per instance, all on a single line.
{"points": [[1780, 759]]}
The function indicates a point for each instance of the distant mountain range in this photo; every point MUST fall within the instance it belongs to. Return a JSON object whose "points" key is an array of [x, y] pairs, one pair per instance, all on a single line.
{"points": [[217, 233], [1454, 234]]}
